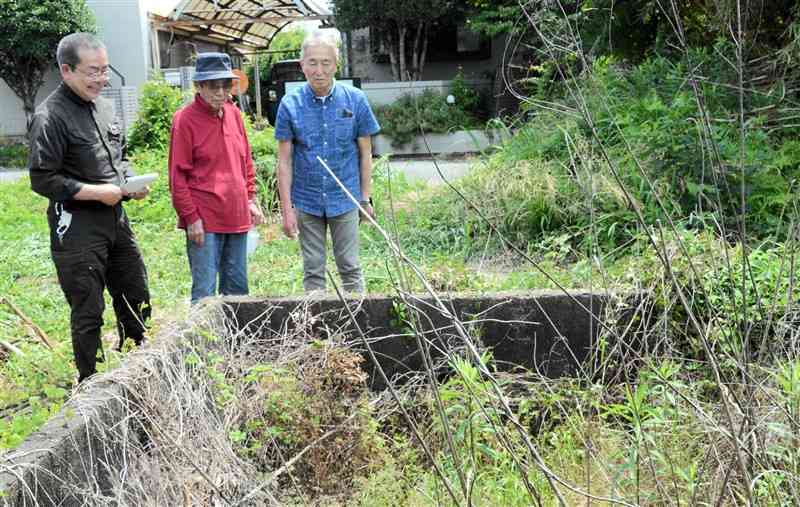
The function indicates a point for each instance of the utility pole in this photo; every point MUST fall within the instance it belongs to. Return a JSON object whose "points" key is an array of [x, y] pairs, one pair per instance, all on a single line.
{"points": [[257, 75]]}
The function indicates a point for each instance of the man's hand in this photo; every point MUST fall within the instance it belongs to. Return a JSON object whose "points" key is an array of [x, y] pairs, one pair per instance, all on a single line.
{"points": [[367, 207], [106, 193], [109, 194], [195, 232], [290, 223], [256, 214], [141, 194]]}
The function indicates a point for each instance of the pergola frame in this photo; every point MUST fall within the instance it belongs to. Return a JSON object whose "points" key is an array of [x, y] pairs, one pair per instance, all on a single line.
{"points": [[247, 25]]}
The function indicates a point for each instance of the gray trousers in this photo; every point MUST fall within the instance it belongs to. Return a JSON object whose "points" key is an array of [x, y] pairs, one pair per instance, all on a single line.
{"points": [[344, 236]]}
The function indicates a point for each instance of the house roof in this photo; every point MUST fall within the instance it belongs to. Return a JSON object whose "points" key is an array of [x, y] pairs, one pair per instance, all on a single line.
{"points": [[246, 24]]}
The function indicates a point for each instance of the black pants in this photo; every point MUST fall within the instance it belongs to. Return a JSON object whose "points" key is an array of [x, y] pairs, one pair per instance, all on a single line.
{"points": [[93, 247]]}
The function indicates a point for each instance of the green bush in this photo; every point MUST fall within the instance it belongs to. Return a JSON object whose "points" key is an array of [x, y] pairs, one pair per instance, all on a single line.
{"points": [[429, 112], [466, 97], [157, 105], [649, 113], [265, 157], [13, 155]]}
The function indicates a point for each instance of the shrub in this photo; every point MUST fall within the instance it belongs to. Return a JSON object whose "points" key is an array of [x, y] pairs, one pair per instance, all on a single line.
{"points": [[158, 104], [13, 155], [265, 152], [551, 175], [293, 406], [428, 112], [466, 97]]}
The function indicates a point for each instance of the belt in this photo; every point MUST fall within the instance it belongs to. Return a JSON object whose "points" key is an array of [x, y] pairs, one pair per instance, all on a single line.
{"points": [[76, 205]]}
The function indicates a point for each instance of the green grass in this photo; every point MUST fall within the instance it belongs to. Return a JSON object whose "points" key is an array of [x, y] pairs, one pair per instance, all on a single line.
{"points": [[27, 278], [573, 222]]}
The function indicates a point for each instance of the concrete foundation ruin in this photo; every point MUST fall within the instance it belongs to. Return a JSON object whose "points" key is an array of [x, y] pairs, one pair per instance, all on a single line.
{"points": [[551, 333]]}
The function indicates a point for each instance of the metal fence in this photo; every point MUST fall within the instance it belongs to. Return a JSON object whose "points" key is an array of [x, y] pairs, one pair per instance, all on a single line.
{"points": [[126, 104]]}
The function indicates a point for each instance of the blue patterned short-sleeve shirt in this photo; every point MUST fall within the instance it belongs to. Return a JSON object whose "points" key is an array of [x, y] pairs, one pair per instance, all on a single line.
{"points": [[325, 127]]}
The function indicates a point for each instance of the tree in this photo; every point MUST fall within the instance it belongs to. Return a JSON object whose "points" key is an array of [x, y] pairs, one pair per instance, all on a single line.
{"points": [[492, 17], [401, 25], [29, 35]]}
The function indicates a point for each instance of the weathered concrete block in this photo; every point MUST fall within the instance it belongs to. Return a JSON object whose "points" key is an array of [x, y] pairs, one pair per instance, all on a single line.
{"points": [[549, 332], [68, 450], [553, 333]]}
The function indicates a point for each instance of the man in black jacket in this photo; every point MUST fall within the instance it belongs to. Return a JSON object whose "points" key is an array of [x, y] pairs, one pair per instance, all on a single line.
{"points": [[76, 161]]}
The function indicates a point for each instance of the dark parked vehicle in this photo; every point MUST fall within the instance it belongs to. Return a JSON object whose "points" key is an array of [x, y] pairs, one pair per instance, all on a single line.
{"points": [[279, 73]]}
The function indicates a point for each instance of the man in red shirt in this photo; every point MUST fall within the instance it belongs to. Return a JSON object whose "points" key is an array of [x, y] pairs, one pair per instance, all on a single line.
{"points": [[212, 181]]}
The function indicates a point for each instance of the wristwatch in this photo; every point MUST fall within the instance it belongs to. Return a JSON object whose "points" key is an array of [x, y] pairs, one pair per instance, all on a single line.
{"points": [[365, 203]]}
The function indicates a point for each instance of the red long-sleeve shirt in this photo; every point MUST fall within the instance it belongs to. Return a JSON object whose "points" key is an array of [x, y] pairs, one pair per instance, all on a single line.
{"points": [[211, 174]]}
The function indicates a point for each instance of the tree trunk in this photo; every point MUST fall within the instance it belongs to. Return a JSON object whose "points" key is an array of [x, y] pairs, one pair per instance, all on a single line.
{"points": [[391, 46], [423, 55], [29, 106], [415, 70], [401, 50], [25, 81]]}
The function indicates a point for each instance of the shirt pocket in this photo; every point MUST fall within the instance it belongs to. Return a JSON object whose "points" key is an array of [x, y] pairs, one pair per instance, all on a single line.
{"points": [[86, 152], [345, 135]]}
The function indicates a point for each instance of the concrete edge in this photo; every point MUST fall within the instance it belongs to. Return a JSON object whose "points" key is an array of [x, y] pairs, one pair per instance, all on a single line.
{"points": [[42, 469]]}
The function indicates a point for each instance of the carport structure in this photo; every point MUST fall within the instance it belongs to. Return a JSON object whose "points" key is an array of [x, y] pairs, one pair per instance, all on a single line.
{"points": [[247, 25]]}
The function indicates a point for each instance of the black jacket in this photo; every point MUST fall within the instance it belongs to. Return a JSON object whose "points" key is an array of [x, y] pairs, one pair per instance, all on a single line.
{"points": [[73, 141]]}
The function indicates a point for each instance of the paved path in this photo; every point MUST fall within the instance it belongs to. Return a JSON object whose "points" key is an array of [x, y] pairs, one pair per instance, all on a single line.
{"points": [[416, 169], [7, 175], [425, 169]]}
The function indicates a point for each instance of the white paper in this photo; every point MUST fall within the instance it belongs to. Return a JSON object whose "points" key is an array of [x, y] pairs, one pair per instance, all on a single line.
{"points": [[137, 183]]}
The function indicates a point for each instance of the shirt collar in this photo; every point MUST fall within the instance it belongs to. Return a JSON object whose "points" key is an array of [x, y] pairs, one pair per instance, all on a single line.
{"points": [[74, 97], [203, 106], [313, 97]]}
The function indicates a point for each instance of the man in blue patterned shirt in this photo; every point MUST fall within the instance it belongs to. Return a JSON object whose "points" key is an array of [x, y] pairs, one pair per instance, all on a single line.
{"points": [[334, 122]]}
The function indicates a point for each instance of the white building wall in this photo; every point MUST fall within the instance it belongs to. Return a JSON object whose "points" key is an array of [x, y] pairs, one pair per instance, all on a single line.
{"points": [[123, 27], [12, 119]]}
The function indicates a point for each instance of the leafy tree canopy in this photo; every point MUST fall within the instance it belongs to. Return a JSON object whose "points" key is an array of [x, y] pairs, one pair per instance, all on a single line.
{"points": [[29, 34], [633, 29], [493, 17]]}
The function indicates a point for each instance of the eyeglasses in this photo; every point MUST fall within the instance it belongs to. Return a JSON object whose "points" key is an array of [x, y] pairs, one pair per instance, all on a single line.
{"points": [[216, 85], [95, 74]]}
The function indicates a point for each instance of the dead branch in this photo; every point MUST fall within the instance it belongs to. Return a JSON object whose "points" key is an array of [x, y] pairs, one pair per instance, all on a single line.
{"points": [[28, 323]]}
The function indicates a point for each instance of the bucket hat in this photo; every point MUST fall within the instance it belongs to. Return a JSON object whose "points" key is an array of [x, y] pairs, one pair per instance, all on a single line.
{"points": [[213, 66]]}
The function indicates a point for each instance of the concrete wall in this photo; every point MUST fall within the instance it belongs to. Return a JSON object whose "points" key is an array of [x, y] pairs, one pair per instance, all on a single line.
{"points": [[380, 93], [551, 332], [458, 141]]}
